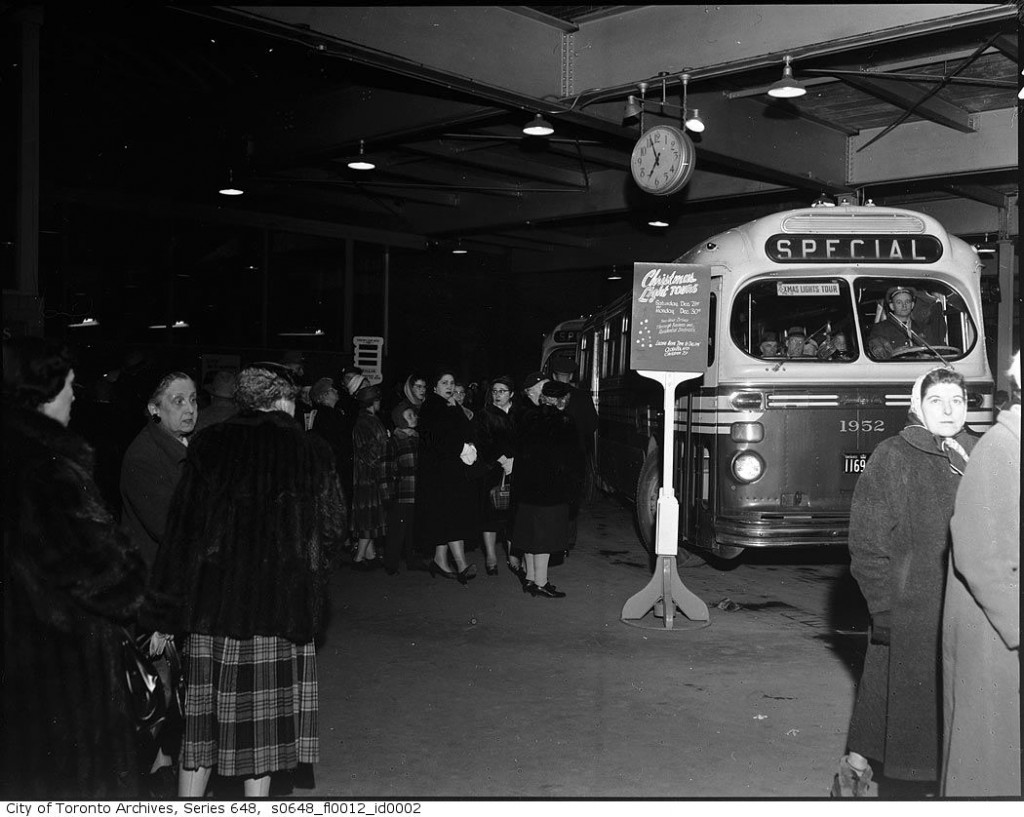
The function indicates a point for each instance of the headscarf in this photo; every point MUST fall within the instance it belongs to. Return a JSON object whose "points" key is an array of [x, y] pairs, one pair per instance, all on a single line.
{"points": [[414, 401]]}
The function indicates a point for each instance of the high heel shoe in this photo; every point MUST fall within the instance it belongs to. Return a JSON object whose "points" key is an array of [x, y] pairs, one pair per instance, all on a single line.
{"points": [[467, 573], [437, 570], [547, 591], [492, 570]]}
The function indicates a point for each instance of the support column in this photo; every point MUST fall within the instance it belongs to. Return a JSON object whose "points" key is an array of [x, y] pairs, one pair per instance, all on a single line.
{"points": [[349, 288]]}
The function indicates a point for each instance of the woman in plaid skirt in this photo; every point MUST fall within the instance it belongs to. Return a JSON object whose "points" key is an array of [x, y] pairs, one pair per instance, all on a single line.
{"points": [[242, 572]]}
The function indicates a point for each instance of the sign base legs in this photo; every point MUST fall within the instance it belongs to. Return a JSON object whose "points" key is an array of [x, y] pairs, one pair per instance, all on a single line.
{"points": [[664, 593]]}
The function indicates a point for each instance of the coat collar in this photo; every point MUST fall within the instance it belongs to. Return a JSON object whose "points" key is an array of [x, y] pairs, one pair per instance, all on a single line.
{"points": [[173, 448], [35, 428]]}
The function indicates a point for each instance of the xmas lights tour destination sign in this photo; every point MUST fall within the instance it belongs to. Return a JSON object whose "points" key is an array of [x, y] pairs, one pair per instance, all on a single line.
{"points": [[670, 317]]}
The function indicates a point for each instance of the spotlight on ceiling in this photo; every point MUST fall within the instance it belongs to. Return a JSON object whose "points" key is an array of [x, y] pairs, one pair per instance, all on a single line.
{"points": [[632, 109], [657, 222], [231, 189], [694, 122], [84, 323], [787, 87], [360, 162], [538, 126]]}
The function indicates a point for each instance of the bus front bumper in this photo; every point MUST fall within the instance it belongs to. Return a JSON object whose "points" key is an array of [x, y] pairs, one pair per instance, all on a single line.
{"points": [[783, 530]]}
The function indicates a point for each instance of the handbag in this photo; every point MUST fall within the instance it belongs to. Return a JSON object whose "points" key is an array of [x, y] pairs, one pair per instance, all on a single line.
{"points": [[146, 695], [501, 494]]}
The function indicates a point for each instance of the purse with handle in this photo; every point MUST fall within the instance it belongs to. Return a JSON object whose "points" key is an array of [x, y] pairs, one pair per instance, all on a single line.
{"points": [[501, 494]]}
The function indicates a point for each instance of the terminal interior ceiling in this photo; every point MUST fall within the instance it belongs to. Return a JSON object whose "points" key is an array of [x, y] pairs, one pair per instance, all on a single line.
{"points": [[146, 110]]}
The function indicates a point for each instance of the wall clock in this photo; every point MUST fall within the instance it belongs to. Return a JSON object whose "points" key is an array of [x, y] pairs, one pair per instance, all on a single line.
{"points": [[663, 160]]}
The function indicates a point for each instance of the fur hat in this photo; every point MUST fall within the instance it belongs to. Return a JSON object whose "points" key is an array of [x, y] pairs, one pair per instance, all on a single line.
{"points": [[555, 388]]}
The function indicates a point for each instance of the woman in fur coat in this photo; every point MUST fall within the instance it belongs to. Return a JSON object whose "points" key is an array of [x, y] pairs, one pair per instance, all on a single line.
{"points": [[71, 579], [899, 545], [242, 572]]}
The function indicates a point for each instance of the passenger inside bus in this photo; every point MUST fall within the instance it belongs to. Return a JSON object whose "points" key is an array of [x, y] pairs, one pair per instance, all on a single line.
{"points": [[942, 327], [769, 344]]}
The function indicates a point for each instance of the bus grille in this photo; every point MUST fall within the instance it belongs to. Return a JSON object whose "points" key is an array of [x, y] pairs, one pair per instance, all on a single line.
{"points": [[852, 223]]}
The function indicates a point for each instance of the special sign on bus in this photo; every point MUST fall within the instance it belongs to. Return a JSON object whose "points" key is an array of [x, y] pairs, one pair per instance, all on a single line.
{"points": [[657, 284], [790, 248]]}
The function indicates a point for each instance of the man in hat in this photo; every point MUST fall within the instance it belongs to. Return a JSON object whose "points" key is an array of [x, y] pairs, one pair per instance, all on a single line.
{"points": [[222, 400], [796, 337], [898, 330], [580, 407]]}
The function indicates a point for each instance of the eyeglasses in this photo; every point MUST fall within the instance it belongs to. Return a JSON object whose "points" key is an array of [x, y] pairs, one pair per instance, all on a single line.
{"points": [[499, 391]]}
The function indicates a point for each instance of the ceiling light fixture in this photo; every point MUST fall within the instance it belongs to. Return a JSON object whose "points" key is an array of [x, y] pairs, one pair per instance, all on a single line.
{"points": [[84, 323], [231, 189], [787, 87], [657, 222], [360, 162], [691, 119], [458, 249], [305, 333], [538, 126], [175, 325]]}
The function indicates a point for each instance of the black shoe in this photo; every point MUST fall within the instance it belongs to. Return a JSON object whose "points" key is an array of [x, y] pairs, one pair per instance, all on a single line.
{"points": [[529, 587], [464, 575], [437, 570], [492, 570], [548, 591]]}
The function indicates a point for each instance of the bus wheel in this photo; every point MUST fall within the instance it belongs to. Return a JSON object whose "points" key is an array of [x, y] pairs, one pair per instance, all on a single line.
{"points": [[647, 487]]}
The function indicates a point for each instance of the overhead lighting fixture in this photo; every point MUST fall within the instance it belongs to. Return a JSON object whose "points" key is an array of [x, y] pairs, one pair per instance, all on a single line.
{"points": [[84, 323], [787, 87], [458, 249], [691, 119], [983, 250], [360, 162], [538, 126], [231, 189], [657, 222], [175, 325], [633, 108], [304, 333], [823, 200]]}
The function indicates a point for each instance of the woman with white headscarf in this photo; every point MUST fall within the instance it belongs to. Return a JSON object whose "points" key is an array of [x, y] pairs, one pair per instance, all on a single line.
{"points": [[899, 545]]}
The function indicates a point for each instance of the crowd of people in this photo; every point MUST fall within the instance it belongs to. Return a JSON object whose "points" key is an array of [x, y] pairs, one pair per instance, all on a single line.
{"points": [[229, 530]]}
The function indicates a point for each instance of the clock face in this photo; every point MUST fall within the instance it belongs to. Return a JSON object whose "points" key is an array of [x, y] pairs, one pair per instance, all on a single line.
{"points": [[662, 160]]}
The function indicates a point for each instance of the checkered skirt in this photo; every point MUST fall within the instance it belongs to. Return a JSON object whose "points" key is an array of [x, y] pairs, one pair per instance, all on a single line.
{"points": [[250, 705]]}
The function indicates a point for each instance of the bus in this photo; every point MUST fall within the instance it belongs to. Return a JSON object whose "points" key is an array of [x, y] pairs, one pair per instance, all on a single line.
{"points": [[560, 342], [769, 444]]}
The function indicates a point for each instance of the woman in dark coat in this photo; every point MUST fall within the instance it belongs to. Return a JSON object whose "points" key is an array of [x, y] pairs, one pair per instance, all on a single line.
{"points": [[71, 579], [981, 620], [447, 493], [548, 479], [899, 546], [496, 434], [153, 462], [242, 572]]}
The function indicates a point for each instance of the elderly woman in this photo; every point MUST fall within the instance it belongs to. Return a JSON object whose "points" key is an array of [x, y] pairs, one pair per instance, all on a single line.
{"points": [[447, 498], [549, 478], [496, 434], [71, 579], [242, 572], [981, 620], [899, 546], [369, 449], [152, 464]]}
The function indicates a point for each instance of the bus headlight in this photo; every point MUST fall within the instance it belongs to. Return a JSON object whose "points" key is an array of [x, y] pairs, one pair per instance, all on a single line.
{"points": [[747, 467], [746, 432]]}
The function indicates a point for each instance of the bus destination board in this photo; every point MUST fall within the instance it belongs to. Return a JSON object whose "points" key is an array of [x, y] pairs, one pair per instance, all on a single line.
{"points": [[671, 304], [789, 248]]}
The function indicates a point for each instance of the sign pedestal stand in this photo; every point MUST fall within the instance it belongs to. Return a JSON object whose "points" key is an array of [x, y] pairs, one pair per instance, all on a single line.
{"points": [[666, 591]]}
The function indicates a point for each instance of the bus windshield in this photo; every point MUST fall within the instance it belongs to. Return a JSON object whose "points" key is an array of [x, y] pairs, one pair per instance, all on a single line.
{"points": [[837, 320]]}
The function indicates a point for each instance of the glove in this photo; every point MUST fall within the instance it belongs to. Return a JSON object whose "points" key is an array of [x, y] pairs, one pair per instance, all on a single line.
{"points": [[468, 454], [506, 466], [157, 643], [880, 624]]}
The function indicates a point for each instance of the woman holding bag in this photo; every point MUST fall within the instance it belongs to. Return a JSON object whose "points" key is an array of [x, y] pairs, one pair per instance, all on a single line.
{"points": [[496, 432]]}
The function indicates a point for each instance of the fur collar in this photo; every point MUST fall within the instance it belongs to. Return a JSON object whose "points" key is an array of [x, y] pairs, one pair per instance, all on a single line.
{"points": [[28, 432]]}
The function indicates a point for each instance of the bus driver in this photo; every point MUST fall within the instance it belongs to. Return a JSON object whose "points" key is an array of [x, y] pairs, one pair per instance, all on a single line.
{"points": [[898, 330]]}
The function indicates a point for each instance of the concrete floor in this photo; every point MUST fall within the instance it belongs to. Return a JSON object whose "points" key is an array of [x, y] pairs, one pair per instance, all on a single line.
{"points": [[558, 698]]}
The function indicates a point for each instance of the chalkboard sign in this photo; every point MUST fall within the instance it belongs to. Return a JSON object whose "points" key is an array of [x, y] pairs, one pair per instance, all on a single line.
{"points": [[670, 317]]}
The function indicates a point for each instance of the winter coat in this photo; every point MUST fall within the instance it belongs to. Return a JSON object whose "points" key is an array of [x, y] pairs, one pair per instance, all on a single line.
{"points": [[149, 474], [549, 461], [981, 622], [899, 543], [447, 491], [71, 579], [253, 522]]}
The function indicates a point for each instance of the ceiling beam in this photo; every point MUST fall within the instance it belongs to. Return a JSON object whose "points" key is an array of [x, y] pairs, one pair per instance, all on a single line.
{"points": [[986, 195], [909, 96], [505, 164]]}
